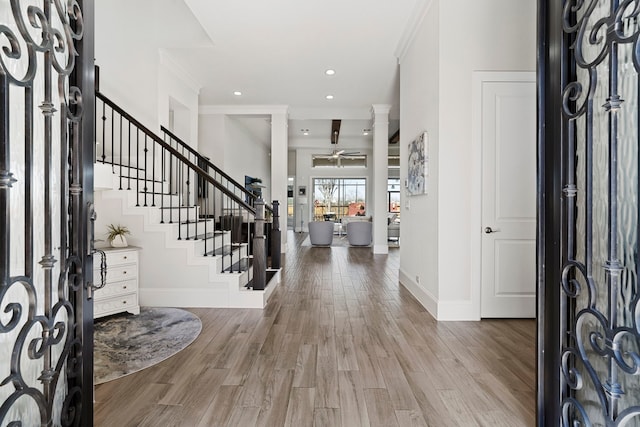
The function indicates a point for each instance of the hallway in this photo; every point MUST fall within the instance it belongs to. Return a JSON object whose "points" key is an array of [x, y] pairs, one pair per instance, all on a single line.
{"points": [[341, 343]]}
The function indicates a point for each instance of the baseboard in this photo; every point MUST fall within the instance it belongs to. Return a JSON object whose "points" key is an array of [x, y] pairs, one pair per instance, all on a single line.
{"points": [[208, 298], [184, 297], [423, 296], [381, 249], [462, 310]]}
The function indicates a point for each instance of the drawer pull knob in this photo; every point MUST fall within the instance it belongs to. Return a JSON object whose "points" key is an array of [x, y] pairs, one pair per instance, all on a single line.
{"points": [[124, 302], [124, 287], [124, 272], [125, 257]]}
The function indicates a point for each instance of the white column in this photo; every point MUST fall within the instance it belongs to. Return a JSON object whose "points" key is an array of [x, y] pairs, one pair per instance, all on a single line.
{"points": [[380, 114], [279, 164]]}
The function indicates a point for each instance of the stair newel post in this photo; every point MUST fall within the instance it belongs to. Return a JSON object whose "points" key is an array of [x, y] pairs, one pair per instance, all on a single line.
{"points": [[203, 201], [259, 248], [193, 198], [276, 238]]}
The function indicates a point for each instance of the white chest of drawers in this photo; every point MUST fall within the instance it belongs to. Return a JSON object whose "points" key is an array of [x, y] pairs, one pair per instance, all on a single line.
{"points": [[121, 290]]}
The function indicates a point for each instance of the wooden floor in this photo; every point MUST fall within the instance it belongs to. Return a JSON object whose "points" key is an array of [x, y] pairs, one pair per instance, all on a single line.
{"points": [[341, 343]]}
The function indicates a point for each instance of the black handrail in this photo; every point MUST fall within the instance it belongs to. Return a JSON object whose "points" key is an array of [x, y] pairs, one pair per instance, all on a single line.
{"points": [[204, 160], [174, 152]]}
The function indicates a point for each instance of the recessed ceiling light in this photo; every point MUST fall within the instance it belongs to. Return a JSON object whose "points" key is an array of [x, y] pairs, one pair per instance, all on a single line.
{"points": [[329, 97], [330, 72], [237, 93]]}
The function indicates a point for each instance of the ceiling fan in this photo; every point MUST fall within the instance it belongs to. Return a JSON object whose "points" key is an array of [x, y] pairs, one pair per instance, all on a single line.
{"points": [[337, 155]]}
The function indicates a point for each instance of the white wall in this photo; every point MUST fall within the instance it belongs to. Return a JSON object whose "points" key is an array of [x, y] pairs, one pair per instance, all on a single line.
{"points": [[135, 71], [212, 137], [178, 92], [128, 70], [419, 101], [234, 149], [453, 40], [246, 156]]}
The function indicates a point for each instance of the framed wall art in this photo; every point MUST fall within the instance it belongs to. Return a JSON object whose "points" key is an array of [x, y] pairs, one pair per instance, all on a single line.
{"points": [[418, 165]]}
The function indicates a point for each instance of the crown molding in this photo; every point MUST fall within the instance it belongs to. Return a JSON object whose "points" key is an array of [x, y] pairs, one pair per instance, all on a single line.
{"points": [[170, 64], [329, 113], [419, 12], [244, 110], [380, 109]]}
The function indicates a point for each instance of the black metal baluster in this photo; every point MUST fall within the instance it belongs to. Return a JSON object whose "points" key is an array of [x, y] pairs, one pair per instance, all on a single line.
{"points": [[137, 167], [183, 207], [234, 214], [232, 236], [113, 140], [225, 225], [104, 125], [153, 174], [234, 262], [170, 188], [162, 166], [146, 166], [180, 199], [200, 200], [218, 226], [129, 157], [120, 160]]}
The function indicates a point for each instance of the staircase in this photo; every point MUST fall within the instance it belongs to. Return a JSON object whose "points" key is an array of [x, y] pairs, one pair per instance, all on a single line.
{"points": [[203, 236]]}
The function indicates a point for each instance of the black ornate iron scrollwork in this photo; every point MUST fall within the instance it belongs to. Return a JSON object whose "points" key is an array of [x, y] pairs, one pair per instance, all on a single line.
{"points": [[599, 294], [41, 269]]}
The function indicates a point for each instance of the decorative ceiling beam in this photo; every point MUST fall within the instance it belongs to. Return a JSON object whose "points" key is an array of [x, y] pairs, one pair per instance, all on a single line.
{"points": [[395, 138], [335, 130]]}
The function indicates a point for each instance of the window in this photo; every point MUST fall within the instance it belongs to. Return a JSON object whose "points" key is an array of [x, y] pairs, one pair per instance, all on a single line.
{"points": [[334, 198], [393, 195]]}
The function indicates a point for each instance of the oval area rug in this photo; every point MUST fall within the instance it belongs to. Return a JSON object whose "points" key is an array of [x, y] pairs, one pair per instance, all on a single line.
{"points": [[126, 343]]}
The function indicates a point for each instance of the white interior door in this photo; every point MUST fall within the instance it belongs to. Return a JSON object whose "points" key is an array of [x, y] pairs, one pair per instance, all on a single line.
{"points": [[508, 199]]}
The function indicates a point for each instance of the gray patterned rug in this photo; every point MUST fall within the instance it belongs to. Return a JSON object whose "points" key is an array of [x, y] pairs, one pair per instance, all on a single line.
{"points": [[124, 344]]}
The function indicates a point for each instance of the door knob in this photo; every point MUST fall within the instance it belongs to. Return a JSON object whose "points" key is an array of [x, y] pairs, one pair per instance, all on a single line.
{"points": [[490, 230]]}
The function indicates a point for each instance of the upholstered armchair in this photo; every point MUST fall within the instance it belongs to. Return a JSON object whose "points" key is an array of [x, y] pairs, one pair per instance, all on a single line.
{"points": [[360, 233], [321, 233], [393, 227]]}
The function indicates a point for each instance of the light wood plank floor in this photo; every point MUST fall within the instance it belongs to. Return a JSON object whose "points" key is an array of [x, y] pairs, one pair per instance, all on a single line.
{"points": [[341, 343]]}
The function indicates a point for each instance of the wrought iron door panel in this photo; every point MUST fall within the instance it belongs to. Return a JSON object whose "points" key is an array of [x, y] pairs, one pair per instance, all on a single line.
{"points": [[600, 314], [44, 241]]}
